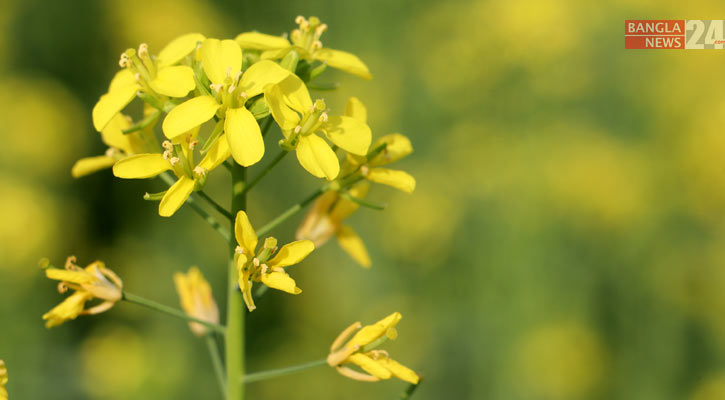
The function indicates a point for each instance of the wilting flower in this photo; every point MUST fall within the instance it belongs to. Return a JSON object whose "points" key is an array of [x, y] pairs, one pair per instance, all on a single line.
{"points": [[196, 299], [158, 78], [179, 158], [300, 120], [326, 217], [397, 146], [263, 265], [222, 63], [92, 282], [360, 351], [3, 381], [306, 42]]}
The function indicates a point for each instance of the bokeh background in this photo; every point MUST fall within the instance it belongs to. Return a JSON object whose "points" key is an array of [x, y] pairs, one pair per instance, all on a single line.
{"points": [[566, 239]]}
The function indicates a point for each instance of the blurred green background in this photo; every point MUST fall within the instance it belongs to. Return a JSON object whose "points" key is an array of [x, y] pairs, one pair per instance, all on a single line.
{"points": [[566, 239]]}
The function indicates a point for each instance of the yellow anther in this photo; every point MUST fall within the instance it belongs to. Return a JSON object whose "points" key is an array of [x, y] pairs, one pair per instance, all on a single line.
{"points": [[323, 117], [143, 50], [193, 144], [239, 250], [229, 72], [174, 160], [364, 170], [200, 171], [255, 261], [298, 129]]}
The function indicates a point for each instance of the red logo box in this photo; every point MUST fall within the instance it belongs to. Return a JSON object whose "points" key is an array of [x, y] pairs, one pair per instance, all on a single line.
{"points": [[654, 34]]}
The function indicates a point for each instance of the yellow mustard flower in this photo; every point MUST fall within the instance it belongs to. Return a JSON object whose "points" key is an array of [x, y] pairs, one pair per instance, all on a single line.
{"points": [[397, 146], [3, 381], [120, 145], [306, 42], [263, 265], [179, 158], [300, 119], [159, 78], [360, 351], [196, 299], [325, 219], [93, 282], [222, 64]]}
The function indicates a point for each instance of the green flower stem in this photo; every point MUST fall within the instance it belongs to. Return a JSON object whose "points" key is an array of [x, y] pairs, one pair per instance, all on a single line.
{"points": [[216, 361], [266, 125], [266, 170], [221, 210], [191, 201], [409, 391], [235, 305], [291, 211], [132, 298], [274, 373]]}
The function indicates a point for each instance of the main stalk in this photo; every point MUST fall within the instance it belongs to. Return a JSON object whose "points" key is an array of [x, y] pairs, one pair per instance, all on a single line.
{"points": [[235, 305]]}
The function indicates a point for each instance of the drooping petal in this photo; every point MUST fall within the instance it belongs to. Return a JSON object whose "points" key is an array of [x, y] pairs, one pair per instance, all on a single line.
{"points": [[281, 281], [285, 117], [216, 155], [316, 156], [69, 309], [353, 245], [291, 253], [122, 90], [397, 146], [317, 226], [80, 276], [261, 41], [400, 180], [245, 285], [371, 333], [349, 134], [356, 109], [176, 196], [141, 166], [178, 49], [244, 136], [399, 370], [174, 81], [370, 366], [89, 165], [343, 208], [220, 57], [188, 115], [261, 74], [345, 61], [244, 233], [295, 94]]}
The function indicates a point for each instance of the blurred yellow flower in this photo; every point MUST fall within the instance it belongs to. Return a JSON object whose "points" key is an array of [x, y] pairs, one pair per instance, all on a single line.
{"points": [[261, 266], [326, 217], [178, 157], [360, 351], [397, 146], [300, 118], [3, 381], [306, 42], [196, 299], [93, 282]]}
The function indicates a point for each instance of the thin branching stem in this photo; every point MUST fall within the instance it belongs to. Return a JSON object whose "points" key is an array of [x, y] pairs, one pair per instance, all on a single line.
{"points": [[216, 361], [221, 210], [274, 373], [132, 298]]}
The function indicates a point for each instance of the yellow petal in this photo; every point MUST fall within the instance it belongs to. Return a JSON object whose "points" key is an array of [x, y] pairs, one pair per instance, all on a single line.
{"points": [[178, 49], [295, 94], [216, 155], [343, 208], [89, 165], [243, 231], [285, 117], [356, 109], [189, 115], [261, 74], [349, 134], [281, 281], [345, 61], [174, 81], [274, 54], [80, 277], [220, 57], [176, 196], [291, 253], [400, 180], [317, 157], [369, 365], [69, 309], [397, 147], [353, 245], [120, 93], [260, 41], [244, 136], [141, 166], [371, 333], [398, 370]]}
